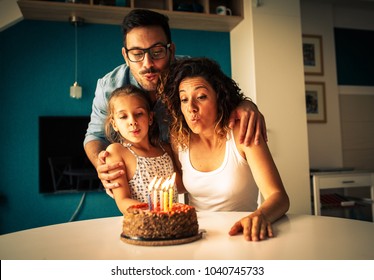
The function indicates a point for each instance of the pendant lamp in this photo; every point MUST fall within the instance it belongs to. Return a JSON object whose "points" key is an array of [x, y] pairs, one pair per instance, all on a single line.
{"points": [[75, 89]]}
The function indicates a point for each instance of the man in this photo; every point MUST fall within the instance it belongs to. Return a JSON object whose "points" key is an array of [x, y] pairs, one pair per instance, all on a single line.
{"points": [[148, 50]]}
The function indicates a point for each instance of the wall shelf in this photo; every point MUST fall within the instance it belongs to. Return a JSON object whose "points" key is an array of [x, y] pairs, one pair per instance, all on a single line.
{"points": [[94, 11]]}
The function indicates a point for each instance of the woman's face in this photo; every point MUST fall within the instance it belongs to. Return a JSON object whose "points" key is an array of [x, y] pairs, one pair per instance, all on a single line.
{"points": [[198, 104]]}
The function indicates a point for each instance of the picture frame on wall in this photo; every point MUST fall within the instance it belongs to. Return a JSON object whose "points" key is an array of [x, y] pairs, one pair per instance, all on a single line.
{"points": [[315, 102], [312, 54]]}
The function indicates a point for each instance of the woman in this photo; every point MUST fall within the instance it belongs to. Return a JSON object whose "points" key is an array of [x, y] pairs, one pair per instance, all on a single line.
{"points": [[220, 173]]}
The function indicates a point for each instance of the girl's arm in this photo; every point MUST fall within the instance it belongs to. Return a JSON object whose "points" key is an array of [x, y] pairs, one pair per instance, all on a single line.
{"points": [[122, 193]]}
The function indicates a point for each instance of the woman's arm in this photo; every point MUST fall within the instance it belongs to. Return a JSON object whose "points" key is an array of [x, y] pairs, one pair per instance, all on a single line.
{"points": [[257, 226], [268, 180]]}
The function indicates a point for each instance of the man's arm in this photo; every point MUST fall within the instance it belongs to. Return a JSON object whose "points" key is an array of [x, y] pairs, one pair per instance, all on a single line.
{"points": [[97, 154], [93, 149], [252, 122], [94, 142]]}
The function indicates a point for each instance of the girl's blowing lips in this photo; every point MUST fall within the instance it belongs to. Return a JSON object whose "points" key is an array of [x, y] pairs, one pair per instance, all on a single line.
{"points": [[135, 131]]}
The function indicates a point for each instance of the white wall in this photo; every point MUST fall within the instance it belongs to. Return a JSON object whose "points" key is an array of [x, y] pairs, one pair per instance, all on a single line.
{"points": [[356, 102], [325, 147], [325, 140], [266, 55]]}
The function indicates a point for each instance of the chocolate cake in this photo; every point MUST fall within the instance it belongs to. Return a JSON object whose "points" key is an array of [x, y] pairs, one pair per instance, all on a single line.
{"points": [[144, 224]]}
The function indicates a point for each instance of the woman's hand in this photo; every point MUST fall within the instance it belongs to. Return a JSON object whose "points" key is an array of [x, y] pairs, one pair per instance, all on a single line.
{"points": [[103, 172], [255, 227], [252, 122]]}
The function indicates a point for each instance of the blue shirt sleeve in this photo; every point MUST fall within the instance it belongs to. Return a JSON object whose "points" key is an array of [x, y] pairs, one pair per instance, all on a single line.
{"points": [[119, 77]]}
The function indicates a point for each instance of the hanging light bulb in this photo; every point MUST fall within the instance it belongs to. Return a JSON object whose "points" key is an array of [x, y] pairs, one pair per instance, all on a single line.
{"points": [[75, 89]]}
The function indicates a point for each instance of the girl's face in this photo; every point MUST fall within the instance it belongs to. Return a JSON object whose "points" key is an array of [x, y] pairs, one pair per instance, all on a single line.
{"points": [[131, 118], [198, 104]]}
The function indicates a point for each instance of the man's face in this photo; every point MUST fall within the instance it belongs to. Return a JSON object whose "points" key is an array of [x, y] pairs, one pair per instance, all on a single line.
{"points": [[147, 71]]}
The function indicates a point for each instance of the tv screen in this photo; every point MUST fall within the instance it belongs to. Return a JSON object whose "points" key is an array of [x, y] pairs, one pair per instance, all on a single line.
{"points": [[63, 164]]}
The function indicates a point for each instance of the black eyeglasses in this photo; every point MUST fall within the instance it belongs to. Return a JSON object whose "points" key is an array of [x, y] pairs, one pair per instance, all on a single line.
{"points": [[155, 52]]}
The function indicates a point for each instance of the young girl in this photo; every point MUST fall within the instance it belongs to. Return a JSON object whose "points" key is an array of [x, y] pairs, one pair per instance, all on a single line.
{"points": [[133, 132]]}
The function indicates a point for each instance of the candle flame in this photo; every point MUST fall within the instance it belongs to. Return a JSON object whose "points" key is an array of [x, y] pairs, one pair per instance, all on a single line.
{"points": [[158, 183], [152, 183], [172, 180], [165, 184]]}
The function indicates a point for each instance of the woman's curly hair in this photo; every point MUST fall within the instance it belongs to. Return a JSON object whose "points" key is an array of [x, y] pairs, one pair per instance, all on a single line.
{"points": [[228, 93]]}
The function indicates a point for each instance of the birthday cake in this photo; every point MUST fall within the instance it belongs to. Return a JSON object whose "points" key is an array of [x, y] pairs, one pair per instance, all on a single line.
{"points": [[141, 223]]}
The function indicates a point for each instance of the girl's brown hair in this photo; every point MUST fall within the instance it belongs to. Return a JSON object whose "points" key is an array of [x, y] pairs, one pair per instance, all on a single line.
{"points": [[129, 90]]}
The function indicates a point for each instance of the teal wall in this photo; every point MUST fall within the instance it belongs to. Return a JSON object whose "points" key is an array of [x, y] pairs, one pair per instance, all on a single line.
{"points": [[37, 69]]}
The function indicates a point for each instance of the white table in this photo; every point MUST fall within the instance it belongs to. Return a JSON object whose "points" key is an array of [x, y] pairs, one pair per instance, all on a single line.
{"points": [[300, 237]]}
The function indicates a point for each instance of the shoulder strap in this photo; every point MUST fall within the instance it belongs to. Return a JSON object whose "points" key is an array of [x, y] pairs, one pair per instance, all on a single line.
{"points": [[128, 146], [162, 147]]}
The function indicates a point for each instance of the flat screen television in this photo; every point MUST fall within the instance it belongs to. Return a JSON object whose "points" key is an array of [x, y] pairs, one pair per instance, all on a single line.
{"points": [[63, 164]]}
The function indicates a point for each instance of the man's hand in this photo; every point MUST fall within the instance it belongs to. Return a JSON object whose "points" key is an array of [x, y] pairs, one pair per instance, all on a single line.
{"points": [[104, 175], [252, 123]]}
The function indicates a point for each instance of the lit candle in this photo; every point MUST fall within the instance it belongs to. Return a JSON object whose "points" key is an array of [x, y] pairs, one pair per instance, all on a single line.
{"points": [[161, 192], [171, 191], [164, 187], [165, 197], [149, 202], [155, 188], [150, 187]]}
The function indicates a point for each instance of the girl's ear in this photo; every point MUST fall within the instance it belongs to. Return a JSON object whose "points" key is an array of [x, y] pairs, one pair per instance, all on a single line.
{"points": [[114, 125]]}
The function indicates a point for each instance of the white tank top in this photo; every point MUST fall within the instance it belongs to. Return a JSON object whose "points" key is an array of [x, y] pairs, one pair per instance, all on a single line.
{"points": [[230, 187]]}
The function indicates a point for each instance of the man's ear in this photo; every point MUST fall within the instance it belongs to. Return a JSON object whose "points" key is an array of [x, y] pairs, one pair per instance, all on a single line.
{"points": [[125, 55], [172, 50]]}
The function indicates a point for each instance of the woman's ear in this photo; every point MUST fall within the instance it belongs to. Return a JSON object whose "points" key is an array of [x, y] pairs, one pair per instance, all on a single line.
{"points": [[151, 114]]}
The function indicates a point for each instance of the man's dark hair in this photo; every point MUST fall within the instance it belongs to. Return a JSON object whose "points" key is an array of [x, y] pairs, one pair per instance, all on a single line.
{"points": [[143, 17]]}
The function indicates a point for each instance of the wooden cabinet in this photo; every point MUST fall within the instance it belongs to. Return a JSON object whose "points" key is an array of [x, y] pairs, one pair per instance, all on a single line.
{"points": [[200, 15]]}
